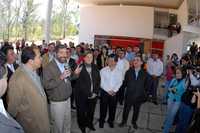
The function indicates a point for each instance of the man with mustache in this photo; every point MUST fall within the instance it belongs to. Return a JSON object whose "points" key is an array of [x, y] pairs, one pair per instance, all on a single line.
{"points": [[56, 80]]}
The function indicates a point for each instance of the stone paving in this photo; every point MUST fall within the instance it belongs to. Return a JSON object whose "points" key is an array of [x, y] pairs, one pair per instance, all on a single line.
{"points": [[150, 119]]}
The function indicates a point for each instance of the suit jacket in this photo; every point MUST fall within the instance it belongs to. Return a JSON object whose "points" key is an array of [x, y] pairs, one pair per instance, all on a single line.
{"points": [[9, 125], [45, 59], [98, 62], [56, 89], [26, 104], [83, 83], [136, 90]]}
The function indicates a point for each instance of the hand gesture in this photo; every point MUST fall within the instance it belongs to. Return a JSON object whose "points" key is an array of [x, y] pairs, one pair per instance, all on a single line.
{"points": [[78, 70], [65, 74]]}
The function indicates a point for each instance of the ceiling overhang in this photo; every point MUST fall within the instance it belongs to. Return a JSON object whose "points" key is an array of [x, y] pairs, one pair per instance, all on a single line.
{"points": [[172, 4]]}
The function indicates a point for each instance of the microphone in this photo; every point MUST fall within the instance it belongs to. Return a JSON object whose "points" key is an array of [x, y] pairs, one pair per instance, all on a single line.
{"points": [[67, 68]]}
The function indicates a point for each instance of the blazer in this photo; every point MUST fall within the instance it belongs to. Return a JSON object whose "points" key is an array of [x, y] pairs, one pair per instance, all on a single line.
{"points": [[98, 62], [83, 83], [136, 91], [56, 89], [45, 60], [9, 125], [26, 104]]}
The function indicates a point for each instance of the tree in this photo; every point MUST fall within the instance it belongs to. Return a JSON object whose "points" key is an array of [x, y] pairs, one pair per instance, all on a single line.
{"points": [[29, 16], [7, 17]]}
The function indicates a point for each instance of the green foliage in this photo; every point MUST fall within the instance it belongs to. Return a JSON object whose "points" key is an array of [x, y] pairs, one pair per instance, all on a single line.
{"points": [[20, 19]]}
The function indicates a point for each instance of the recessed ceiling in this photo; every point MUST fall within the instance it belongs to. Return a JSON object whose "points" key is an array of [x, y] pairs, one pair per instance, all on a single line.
{"points": [[154, 3]]}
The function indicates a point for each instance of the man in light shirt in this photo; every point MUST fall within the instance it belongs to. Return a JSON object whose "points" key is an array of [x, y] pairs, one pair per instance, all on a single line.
{"points": [[155, 69], [49, 56], [130, 54], [111, 80], [123, 65]]}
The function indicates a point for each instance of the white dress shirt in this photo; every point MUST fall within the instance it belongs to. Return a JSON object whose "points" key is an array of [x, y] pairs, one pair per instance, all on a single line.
{"points": [[123, 65], [2, 109], [111, 80], [155, 67], [11, 67]]}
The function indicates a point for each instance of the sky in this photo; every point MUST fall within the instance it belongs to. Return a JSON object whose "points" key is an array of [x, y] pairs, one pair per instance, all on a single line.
{"points": [[41, 11]]}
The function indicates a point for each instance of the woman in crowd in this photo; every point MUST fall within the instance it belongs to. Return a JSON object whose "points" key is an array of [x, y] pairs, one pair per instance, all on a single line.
{"points": [[187, 103], [86, 91], [168, 77], [194, 127], [104, 56], [176, 89]]}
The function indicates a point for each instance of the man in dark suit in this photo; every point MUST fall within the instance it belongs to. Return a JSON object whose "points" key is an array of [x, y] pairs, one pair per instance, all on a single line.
{"points": [[11, 65], [136, 80]]}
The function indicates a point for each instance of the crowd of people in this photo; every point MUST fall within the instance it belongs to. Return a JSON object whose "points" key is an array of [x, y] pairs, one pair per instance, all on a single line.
{"points": [[40, 85]]}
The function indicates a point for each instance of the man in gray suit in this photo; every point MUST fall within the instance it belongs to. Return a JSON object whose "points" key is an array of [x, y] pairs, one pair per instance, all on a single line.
{"points": [[56, 80]]}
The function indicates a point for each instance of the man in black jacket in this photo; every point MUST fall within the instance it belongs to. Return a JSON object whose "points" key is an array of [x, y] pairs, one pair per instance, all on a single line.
{"points": [[136, 80]]}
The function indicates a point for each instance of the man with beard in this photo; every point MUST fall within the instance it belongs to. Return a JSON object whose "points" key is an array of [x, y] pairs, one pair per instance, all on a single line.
{"points": [[56, 80]]}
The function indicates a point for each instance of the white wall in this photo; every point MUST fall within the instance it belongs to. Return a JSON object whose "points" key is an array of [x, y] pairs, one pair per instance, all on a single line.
{"points": [[132, 21], [174, 45], [183, 14]]}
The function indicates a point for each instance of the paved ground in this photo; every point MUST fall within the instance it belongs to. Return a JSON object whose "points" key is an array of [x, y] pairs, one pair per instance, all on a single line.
{"points": [[150, 120]]}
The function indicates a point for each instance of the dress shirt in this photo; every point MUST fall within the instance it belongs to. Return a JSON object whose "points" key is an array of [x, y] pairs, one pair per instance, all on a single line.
{"points": [[130, 56], [155, 67], [2, 109], [111, 80], [61, 66], [123, 65], [137, 72], [11, 66]]}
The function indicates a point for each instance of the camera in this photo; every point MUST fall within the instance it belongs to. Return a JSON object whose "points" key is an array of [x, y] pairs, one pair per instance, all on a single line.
{"points": [[174, 90]]}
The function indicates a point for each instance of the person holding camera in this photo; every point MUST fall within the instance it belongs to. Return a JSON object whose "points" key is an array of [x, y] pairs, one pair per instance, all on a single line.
{"points": [[194, 127], [176, 89], [187, 107]]}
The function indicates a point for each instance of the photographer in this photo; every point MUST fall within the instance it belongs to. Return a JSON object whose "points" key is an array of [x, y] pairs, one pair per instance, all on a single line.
{"points": [[194, 127], [187, 107]]}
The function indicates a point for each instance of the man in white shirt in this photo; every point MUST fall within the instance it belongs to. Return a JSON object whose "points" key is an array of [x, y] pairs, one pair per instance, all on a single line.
{"points": [[123, 65], [155, 69], [111, 80]]}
